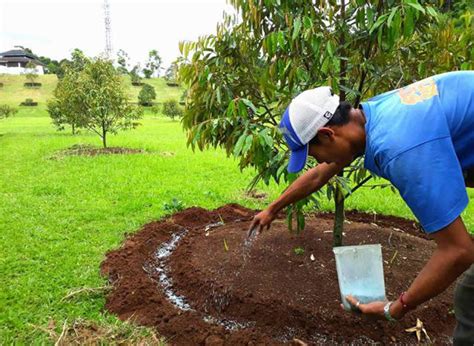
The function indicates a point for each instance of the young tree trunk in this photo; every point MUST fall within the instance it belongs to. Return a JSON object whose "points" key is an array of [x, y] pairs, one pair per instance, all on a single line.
{"points": [[104, 137], [339, 195], [338, 217], [73, 128]]}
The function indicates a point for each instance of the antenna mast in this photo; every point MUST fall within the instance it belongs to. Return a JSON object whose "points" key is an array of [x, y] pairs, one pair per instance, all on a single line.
{"points": [[108, 40]]}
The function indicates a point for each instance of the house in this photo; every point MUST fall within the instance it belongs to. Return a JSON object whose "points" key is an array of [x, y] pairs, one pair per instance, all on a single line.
{"points": [[15, 61]]}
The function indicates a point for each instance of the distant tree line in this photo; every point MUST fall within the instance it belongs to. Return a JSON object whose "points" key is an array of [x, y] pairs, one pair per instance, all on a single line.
{"points": [[152, 66]]}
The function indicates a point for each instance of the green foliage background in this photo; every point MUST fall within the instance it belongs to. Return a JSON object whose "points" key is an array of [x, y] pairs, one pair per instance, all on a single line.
{"points": [[242, 77]]}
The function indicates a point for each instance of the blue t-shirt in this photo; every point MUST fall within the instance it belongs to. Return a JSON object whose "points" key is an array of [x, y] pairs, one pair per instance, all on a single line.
{"points": [[421, 138]]}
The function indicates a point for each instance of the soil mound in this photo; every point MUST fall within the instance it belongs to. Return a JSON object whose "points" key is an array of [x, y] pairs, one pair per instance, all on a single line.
{"points": [[89, 150], [191, 277]]}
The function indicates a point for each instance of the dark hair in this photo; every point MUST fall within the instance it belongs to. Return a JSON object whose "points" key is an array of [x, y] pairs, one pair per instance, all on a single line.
{"points": [[340, 117]]}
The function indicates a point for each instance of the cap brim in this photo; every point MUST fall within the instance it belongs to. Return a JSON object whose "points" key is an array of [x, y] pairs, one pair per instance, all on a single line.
{"points": [[298, 159]]}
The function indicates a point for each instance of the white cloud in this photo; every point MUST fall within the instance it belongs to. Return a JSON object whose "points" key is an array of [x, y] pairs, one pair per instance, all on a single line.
{"points": [[53, 28]]}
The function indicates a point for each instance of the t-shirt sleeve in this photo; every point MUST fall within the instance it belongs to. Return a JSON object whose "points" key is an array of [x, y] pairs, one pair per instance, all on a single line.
{"points": [[430, 180]]}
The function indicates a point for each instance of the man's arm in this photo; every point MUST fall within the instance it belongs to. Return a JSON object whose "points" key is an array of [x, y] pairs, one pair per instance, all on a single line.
{"points": [[430, 180], [308, 183], [454, 255]]}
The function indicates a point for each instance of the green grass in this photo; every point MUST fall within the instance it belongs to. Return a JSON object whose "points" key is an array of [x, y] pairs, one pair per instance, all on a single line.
{"points": [[13, 91], [58, 217]]}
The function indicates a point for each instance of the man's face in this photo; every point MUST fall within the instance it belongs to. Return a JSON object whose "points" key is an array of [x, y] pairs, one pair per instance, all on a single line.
{"points": [[331, 146]]}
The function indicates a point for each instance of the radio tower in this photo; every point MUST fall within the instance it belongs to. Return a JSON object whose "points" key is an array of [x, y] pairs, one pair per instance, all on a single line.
{"points": [[108, 40]]}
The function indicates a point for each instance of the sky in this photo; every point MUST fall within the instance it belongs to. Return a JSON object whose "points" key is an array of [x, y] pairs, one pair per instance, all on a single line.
{"points": [[53, 28]]}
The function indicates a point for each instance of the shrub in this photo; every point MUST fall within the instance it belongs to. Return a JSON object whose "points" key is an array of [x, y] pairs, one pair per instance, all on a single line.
{"points": [[155, 109], [147, 95], [172, 109], [29, 102], [7, 111], [174, 206]]}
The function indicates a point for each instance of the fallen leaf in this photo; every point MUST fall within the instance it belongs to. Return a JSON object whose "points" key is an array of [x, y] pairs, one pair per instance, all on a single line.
{"points": [[418, 329]]}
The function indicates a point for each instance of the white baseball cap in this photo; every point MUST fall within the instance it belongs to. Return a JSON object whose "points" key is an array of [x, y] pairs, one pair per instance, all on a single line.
{"points": [[306, 114]]}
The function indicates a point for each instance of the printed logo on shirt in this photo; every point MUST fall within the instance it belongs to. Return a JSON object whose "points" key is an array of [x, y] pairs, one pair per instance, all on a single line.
{"points": [[418, 92]]}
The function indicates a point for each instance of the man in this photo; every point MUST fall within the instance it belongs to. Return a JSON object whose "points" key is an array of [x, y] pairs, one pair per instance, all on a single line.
{"points": [[421, 138]]}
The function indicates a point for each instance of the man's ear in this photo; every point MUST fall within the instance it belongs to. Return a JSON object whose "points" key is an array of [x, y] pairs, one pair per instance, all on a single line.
{"points": [[325, 135]]}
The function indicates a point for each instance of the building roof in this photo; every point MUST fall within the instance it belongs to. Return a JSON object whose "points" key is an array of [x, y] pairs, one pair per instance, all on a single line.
{"points": [[17, 53]]}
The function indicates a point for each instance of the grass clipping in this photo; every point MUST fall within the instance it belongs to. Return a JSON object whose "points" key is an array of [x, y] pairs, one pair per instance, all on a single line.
{"points": [[82, 332]]}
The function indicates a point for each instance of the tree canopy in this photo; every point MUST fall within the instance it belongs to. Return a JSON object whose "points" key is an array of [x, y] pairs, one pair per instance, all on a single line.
{"points": [[241, 78], [94, 98], [153, 64]]}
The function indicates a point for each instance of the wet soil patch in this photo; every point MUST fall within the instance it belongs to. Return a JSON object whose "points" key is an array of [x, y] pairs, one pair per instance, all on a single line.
{"points": [[265, 294]]}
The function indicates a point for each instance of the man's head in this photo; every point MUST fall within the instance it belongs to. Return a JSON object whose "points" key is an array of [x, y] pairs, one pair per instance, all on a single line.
{"points": [[317, 124]]}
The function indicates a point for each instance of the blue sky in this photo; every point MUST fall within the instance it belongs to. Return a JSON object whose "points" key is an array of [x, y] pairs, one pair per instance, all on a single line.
{"points": [[53, 28]]}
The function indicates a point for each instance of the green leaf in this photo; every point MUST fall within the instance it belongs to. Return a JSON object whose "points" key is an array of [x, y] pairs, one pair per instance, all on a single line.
{"points": [[300, 221], [308, 24], [432, 12], [247, 145], [230, 108], [329, 191], [239, 144], [218, 94], [392, 14], [266, 138], [330, 49], [242, 109], [409, 24], [296, 28], [299, 251], [281, 170], [249, 104], [378, 23], [417, 6], [370, 16]]}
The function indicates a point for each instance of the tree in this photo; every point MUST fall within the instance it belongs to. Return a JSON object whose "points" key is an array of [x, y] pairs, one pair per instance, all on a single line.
{"points": [[26, 49], [52, 67], [7, 111], [147, 95], [78, 59], [31, 74], [63, 108], [172, 109], [77, 62], [171, 73], [99, 100], [123, 60], [153, 64], [241, 79], [135, 75]]}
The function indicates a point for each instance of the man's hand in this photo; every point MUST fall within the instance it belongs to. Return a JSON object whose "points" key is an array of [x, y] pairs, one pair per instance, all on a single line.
{"points": [[263, 219], [376, 308], [309, 182]]}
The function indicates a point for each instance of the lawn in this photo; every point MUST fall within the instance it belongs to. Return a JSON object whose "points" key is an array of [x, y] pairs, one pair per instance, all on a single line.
{"points": [[60, 214]]}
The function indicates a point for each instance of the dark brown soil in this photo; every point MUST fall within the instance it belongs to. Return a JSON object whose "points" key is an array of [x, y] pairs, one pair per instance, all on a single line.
{"points": [[277, 295]]}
